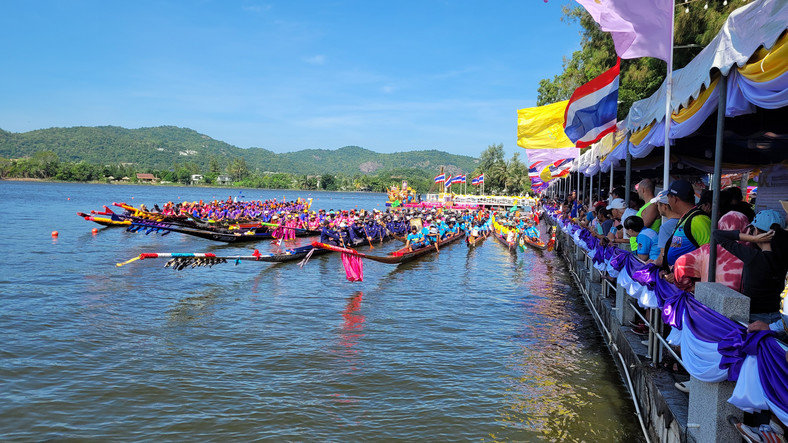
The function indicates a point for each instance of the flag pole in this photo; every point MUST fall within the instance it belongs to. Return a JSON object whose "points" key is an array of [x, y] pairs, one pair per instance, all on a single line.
{"points": [[668, 92]]}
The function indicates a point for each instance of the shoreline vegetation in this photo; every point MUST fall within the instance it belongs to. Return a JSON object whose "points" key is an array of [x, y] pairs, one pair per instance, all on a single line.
{"points": [[173, 185], [181, 156]]}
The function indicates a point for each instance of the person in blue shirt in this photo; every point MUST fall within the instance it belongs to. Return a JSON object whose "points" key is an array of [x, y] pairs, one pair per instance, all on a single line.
{"points": [[328, 235], [415, 239], [647, 239]]}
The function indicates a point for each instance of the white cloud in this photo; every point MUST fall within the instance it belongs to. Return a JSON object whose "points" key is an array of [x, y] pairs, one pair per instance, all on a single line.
{"points": [[256, 8], [316, 60]]}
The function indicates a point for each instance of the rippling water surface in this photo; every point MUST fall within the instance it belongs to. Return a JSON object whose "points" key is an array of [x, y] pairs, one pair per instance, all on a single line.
{"points": [[471, 344]]}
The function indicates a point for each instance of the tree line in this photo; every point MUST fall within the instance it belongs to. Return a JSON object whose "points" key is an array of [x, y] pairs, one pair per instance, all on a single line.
{"points": [[46, 165]]}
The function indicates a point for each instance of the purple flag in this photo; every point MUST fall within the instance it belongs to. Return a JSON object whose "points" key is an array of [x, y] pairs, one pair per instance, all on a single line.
{"points": [[639, 28]]}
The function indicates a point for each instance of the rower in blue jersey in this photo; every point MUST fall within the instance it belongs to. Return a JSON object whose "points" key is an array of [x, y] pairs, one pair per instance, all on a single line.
{"points": [[328, 235], [415, 239], [532, 232]]}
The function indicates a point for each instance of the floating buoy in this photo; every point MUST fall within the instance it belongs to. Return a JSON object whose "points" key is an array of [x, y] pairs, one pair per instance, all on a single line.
{"points": [[132, 198], [54, 233], [94, 231], [68, 198]]}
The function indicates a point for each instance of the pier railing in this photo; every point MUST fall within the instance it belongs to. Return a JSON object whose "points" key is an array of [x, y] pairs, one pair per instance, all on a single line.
{"points": [[710, 403]]}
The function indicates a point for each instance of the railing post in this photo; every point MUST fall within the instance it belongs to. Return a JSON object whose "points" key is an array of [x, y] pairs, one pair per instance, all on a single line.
{"points": [[708, 402], [624, 311]]}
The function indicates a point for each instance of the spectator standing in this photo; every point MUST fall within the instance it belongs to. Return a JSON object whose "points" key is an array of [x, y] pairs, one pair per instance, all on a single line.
{"points": [[694, 266], [765, 265], [693, 229]]}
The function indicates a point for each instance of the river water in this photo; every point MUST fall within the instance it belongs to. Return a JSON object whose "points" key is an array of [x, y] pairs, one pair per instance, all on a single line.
{"points": [[466, 345]]}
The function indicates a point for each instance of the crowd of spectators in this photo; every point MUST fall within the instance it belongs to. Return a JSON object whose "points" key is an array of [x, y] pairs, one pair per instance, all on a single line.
{"points": [[673, 229]]}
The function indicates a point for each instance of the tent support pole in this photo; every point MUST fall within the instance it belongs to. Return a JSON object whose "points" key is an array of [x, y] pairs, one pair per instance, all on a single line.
{"points": [[722, 89]]}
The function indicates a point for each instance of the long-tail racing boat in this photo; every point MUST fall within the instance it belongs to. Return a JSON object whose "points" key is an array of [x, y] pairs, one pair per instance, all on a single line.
{"points": [[511, 246], [217, 234], [475, 241], [535, 243], [183, 260], [180, 261], [399, 256]]}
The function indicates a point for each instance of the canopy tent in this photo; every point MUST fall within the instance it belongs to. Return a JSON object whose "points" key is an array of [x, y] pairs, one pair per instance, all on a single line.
{"points": [[752, 50]]}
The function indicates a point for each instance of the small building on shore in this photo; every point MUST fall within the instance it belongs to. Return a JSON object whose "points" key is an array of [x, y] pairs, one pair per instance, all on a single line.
{"points": [[196, 179], [147, 178], [224, 180]]}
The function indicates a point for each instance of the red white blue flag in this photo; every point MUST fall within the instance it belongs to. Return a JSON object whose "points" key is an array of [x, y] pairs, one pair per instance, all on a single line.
{"points": [[440, 178], [591, 111], [480, 179]]}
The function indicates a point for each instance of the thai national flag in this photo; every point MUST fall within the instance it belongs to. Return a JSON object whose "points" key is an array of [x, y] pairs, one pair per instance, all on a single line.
{"points": [[463, 179], [475, 181], [457, 179], [481, 178], [591, 111], [440, 178], [449, 181]]}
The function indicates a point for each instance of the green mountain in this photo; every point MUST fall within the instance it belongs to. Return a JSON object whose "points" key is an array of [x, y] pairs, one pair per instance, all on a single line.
{"points": [[162, 147]]}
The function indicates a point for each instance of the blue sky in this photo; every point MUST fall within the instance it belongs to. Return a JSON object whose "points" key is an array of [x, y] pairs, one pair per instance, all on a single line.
{"points": [[285, 75]]}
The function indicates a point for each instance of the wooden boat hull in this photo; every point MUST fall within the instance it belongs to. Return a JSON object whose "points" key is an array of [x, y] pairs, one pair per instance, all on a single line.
{"points": [[501, 240], [539, 245], [396, 257]]}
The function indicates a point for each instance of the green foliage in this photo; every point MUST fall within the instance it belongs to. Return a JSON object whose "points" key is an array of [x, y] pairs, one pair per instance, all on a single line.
{"points": [[175, 154], [164, 147]]}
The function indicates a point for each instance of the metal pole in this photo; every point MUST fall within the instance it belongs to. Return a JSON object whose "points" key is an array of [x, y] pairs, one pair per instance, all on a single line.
{"points": [[599, 186], [611, 181], [668, 93], [590, 190], [628, 180], [717, 179]]}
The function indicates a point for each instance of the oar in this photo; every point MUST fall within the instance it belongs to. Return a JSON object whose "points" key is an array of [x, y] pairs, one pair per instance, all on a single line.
{"points": [[367, 234]]}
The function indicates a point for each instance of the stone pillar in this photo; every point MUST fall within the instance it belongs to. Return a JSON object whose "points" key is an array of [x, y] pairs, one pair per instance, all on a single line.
{"points": [[708, 402], [624, 311]]}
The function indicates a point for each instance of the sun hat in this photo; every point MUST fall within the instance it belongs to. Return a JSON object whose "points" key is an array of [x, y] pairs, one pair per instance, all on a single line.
{"points": [[662, 197], [766, 218], [617, 203]]}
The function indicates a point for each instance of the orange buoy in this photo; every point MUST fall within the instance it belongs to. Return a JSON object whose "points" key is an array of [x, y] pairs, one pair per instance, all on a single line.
{"points": [[54, 233], [68, 198], [94, 231]]}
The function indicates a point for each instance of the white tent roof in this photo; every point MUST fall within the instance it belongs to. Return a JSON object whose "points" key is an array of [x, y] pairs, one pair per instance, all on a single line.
{"points": [[759, 23]]}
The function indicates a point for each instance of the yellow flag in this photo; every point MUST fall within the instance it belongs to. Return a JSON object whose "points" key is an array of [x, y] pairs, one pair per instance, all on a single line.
{"points": [[546, 175], [543, 127]]}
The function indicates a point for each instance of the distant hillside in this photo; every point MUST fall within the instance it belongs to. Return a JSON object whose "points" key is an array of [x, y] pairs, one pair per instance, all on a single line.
{"points": [[164, 146]]}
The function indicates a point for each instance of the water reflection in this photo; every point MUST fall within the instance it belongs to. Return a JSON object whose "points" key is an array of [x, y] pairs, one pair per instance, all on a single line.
{"points": [[352, 331]]}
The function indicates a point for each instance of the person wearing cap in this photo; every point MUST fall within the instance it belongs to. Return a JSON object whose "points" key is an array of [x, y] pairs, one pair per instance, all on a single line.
{"points": [[765, 265], [693, 228], [669, 221], [616, 208]]}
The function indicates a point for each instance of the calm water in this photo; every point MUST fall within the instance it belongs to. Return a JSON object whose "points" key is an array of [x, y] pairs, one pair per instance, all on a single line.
{"points": [[466, 345]]}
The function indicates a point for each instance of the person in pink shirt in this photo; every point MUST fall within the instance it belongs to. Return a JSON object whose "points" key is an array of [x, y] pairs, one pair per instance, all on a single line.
{"points": [[694, 266]]}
